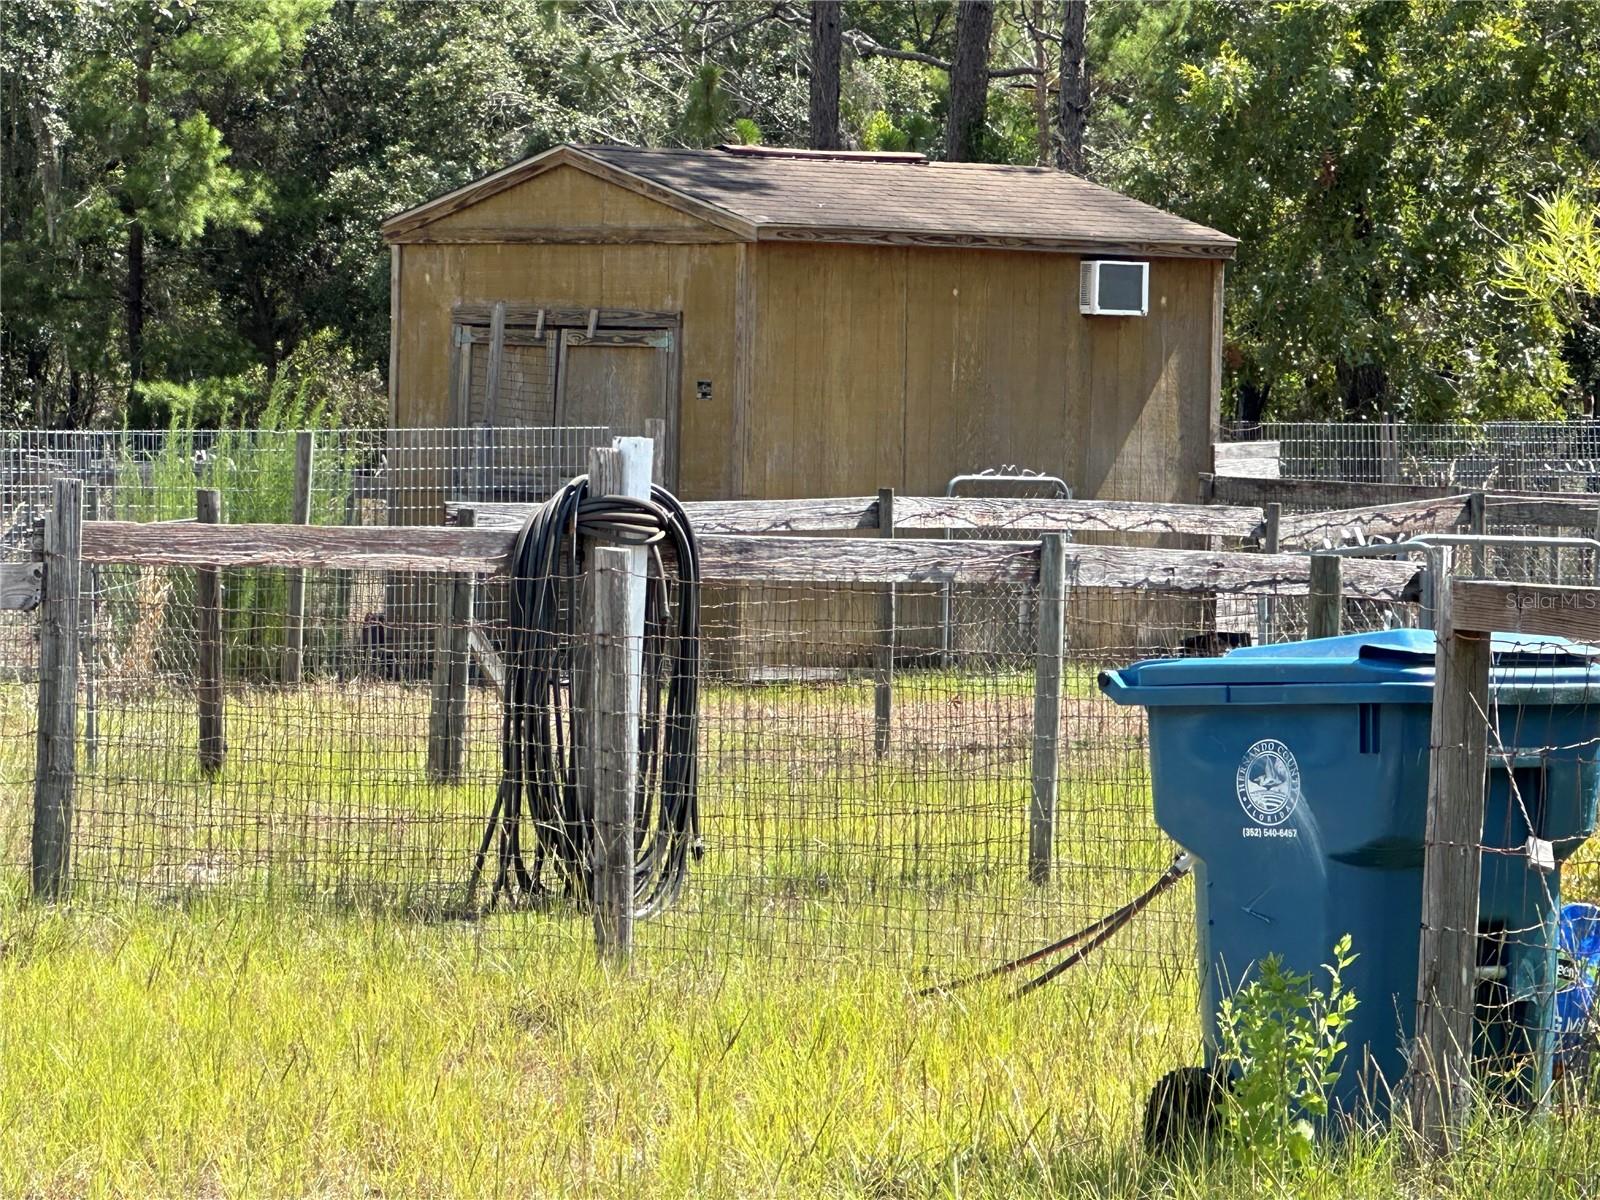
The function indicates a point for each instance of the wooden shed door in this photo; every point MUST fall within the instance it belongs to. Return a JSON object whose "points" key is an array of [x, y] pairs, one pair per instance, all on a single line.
{"points": [[618, 378]]}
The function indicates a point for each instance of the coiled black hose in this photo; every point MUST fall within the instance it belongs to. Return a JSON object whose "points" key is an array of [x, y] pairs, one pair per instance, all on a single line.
{"points": [[541, 734]]}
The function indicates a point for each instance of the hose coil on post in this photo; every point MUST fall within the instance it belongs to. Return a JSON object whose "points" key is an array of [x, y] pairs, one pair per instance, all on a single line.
{"points": [[540, 806]]}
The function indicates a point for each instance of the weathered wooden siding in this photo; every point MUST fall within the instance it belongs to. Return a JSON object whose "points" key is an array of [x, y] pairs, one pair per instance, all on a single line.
{"points": [[836, 370], [929, 363], [700, 281], [902, 367]]}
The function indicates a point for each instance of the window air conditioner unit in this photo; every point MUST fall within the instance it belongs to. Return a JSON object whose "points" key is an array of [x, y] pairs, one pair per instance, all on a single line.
{"points": [[1114, 289]]}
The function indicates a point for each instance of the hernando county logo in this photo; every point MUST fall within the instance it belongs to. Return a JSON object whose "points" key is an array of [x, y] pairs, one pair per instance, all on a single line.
{"points": [[1268, 782]]}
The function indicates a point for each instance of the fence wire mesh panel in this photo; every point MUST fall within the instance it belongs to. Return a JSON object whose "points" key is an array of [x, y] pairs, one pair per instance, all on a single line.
{"points": [[359, 476], [1524, 456], [1533, 956], [850, 811]]}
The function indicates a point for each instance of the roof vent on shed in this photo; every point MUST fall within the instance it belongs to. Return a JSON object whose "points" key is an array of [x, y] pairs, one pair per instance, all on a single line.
{"points": [[873, 156]]}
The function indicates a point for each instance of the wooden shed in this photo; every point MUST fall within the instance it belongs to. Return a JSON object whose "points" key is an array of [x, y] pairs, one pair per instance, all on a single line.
{"points": [[813, 323]]}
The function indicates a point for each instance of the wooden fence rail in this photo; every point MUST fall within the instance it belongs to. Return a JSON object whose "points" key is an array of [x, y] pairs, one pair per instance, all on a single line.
{"points": [[938, 513], [740, 559], [1338, 527]]}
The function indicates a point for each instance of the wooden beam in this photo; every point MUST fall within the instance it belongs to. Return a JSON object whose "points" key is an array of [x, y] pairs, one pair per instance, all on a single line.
{"points": [[1356, 526], [739, 559], [569, 235], [1547, 510], [967, 240], [1317, 493], [447, 715], [209, 687], [294, 629], [1544, 512], [883, 685], [1258, 460], [937, 513], [1325, 599], [361, 548], [1047, 695], [908, 560], [88, 645], [613, 750], [56, 739], [616, 657], [1035, 516], [528, 313], [394, 335], [488, 657], [1229, 459], [21, 586], [497, 353], [1552, 610], [727, 516], [1267, 606], [1440, 1083]]}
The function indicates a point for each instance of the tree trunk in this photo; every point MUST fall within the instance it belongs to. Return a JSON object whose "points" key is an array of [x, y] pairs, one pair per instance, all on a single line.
{"points": [[133, 292], [133, 302], [1251, 402], [1042, 85], [1074, 88], [826, 36], [969, 80]]}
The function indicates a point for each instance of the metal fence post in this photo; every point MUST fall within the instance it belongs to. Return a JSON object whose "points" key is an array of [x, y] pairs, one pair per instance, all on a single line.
{"points": [[1047, 690], [55, 767], [1439, 1075]]}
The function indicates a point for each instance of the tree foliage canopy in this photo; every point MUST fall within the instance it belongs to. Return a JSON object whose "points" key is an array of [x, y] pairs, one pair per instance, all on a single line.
{"points": [[1410, 181]]}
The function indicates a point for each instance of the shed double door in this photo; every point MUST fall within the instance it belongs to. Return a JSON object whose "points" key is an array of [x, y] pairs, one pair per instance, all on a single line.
{"points": [[611, 379]]}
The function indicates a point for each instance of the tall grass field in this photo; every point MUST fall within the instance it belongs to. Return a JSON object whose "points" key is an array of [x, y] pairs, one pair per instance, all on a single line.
{"points": [[263, 986]]}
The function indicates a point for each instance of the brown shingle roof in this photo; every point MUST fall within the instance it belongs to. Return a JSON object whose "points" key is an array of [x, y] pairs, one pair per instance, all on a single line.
{"points": [[977, 199], [907, 203]]}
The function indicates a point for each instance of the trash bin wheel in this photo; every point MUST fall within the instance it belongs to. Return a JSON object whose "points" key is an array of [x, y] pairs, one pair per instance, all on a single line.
{"points": [[1184, 1110]]}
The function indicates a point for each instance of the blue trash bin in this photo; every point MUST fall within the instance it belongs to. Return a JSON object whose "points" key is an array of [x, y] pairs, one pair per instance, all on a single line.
{"points": [[1297, 775]]}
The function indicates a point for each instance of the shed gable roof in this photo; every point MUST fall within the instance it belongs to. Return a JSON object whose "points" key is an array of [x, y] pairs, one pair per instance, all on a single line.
{"points": [[756, 198]]}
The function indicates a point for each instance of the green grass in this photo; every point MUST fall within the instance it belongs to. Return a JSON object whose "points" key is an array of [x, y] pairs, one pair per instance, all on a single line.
{"points": [[287, 1026]]}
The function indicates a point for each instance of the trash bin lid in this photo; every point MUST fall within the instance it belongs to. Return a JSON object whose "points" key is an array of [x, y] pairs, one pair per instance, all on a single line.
{"points": [[1392, 665]]}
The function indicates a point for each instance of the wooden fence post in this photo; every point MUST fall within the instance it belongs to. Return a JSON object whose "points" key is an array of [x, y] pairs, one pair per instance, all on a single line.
{"points": [[294, 627], [1439, 1075], [1266, 606], [1047, 686], [1325, 596], [656, 430], [1478, 523], [91, 680], [447, 714], [208, 631], [55, 766], [611, 714], [883, 687]]}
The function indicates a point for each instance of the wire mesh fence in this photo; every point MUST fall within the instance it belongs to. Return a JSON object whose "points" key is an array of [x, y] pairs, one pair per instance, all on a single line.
{"points": [[1511, 1010], [1519, 456], [827, 834]]}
